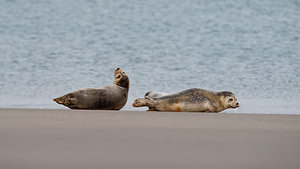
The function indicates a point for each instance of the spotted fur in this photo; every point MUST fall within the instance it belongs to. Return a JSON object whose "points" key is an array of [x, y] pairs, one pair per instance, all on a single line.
{"points": [[191, 100]]}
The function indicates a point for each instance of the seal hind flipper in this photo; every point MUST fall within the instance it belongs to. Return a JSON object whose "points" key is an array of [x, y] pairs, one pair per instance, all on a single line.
{"points": [[59, 100], [141, 102], [66, 100]]}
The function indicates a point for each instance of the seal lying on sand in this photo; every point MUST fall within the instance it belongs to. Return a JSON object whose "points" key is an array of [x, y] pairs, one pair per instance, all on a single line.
{"points": [[112, 97], [191, 100]]}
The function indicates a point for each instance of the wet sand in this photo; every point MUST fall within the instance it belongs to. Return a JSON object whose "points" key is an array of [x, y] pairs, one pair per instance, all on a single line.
{"points": [[65, 139]]}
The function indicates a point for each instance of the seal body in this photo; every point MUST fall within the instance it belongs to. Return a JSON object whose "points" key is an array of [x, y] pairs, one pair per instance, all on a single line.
{"points": [[112, 97], [191, 100]]}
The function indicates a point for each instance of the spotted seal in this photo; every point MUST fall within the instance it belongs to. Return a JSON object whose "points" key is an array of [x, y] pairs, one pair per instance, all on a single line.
{"points": [[191, 100], [112, 97]]}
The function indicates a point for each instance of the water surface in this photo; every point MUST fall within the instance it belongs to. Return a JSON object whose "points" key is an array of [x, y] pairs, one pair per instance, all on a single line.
{"points": [[252, 48]]}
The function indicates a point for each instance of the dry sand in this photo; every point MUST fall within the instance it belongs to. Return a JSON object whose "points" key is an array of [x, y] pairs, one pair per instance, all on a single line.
{"points": [[65, 139]]}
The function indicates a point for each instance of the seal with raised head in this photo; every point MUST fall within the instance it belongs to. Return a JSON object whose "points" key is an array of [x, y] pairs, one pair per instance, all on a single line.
{"points": [[112, 97], [191, 100]]}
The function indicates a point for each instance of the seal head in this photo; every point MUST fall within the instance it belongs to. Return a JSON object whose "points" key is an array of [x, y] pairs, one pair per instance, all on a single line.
{"points": [[121, 79], [228, 99]]}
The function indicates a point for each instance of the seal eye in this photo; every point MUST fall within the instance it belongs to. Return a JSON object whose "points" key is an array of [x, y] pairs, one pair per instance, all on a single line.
{"points": [[123, 72], [230, 100]]}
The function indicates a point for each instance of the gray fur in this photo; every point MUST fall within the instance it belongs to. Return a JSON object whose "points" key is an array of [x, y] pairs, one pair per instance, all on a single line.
{"points": [[112, 97]]}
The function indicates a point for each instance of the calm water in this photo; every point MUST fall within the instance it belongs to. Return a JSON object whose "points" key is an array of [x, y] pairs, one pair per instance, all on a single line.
{"points": [[51, 47]]}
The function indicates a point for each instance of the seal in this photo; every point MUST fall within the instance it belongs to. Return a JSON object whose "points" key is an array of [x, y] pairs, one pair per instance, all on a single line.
{"points": [[191, 100], [112, 97]]}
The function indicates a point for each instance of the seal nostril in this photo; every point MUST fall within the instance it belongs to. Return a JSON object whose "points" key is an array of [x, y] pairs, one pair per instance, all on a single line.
{"points": [[237, 104]]}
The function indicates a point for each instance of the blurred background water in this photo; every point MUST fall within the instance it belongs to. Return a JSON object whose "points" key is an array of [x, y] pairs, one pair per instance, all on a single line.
{"points": [[249, 47]]}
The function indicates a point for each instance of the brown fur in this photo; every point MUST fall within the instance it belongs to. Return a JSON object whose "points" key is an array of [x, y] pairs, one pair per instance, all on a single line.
{"points": [[199, 100], [112, 97]]}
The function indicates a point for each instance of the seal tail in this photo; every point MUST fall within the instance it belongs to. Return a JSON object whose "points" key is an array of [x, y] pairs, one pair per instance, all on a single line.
{"points": [[141, 102]]}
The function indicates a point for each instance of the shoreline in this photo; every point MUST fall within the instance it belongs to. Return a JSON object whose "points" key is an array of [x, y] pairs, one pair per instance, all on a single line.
{"points": [[63, 138], [261, 106], [232, 112]]}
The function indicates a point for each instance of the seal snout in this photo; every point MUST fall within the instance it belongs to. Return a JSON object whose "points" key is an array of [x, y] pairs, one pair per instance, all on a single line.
{"points": [[237, 105]]}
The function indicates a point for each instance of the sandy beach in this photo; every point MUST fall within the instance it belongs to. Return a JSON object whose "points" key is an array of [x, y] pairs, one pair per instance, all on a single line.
{"points": [[66, 139]]}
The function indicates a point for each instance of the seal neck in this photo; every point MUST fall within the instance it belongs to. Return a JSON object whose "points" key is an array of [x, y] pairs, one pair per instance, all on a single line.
{"points": [[221, 106], [123, 83]]}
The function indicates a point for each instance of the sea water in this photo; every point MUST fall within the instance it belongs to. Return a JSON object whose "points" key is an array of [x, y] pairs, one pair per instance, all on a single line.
{"points": [[250, 47]]}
